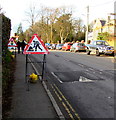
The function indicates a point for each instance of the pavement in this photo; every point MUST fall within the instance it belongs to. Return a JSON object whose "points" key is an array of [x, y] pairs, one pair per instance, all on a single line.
{"points": [[0, 89], [34, 103]]}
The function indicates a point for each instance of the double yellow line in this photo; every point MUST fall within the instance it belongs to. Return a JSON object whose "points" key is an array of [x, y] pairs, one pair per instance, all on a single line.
{"points": [[61, 97]]}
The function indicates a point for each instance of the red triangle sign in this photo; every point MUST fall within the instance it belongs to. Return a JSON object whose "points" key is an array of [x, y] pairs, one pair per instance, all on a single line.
{"points": [[12, 43], [35, 46]]}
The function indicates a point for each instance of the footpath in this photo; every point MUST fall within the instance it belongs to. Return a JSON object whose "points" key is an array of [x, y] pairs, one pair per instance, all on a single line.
{"points": [[0, 89], [34, 103]]}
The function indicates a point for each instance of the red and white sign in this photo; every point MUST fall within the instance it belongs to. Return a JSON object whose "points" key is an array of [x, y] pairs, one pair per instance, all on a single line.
{"points": [[12, 43], [35, 46]]}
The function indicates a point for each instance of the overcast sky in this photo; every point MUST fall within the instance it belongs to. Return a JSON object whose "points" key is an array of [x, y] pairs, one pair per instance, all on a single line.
{"points": [[15, 9]]}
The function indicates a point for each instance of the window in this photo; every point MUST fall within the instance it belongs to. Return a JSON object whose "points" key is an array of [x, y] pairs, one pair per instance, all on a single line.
{"points": [[99, 43]]}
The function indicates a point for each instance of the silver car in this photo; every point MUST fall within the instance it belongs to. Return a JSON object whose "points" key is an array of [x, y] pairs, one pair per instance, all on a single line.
{"points": [[59, 46], [78, 47], [99, 47]]}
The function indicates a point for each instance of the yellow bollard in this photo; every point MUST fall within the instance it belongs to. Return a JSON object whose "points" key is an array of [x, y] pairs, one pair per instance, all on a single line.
{"points": [[13, 56], [33, 78]]}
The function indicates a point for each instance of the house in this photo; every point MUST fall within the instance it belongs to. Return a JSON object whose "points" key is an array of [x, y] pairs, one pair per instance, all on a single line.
{"points": [[110, 27], [98, 27], [102, 26]]}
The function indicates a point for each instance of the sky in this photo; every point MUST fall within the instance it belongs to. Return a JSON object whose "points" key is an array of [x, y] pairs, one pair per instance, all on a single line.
{"points": [[16, 9]]}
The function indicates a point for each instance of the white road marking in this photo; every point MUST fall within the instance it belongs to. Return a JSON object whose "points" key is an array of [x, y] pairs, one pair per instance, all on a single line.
{"points": [[100, 72], [91, 69], [83, 79], [56, 77], [80, 65], [66, 60]]}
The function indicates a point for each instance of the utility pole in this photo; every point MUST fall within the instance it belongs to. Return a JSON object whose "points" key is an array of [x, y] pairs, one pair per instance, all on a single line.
{"points": [[87, 26]]}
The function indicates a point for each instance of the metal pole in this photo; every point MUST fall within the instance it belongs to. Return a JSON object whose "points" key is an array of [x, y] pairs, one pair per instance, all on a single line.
{"points": [[15, 51], [26, 68], [44, 58], [26, 81], [86, 39]]}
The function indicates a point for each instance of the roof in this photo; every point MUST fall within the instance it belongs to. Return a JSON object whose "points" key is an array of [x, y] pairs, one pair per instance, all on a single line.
{"points": [[102, 22]]}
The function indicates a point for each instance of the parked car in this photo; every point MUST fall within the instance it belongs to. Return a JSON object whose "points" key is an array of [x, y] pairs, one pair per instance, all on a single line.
{"points": [[78, 47], [53, 46], [66, 46], [99, 47], [59, 46], [48, 45]]}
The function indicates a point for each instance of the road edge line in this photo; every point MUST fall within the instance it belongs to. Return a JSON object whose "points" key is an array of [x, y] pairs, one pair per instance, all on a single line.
{"points": [[57, 109]]}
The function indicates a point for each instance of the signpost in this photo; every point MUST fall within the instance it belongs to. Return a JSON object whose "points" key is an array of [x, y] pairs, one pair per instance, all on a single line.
{"points": [[35, 46], [13, 44]]}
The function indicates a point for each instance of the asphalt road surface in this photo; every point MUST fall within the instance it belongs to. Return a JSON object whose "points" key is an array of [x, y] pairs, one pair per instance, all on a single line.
{"points": [[82, 85]]}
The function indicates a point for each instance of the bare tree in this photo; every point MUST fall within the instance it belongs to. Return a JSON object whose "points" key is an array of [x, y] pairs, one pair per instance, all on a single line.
{"points": [[1, 10], [48, 17], [63, 26], [32, 16], [52, 15]]}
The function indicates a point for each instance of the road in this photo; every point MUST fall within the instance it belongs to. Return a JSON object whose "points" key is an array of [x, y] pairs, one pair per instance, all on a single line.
{"points": [[83, 86]]}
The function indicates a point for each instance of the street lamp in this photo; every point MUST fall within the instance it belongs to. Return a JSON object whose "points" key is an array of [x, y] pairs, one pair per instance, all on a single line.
{"points": [[87, 27]]}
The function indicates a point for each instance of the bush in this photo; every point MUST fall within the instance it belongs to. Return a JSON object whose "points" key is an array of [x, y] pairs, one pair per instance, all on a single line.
{"points": [[8, 65]]}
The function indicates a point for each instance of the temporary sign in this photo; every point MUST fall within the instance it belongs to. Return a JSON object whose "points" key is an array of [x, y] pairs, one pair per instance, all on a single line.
{"points": [[12, 43], [35, 46]]}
